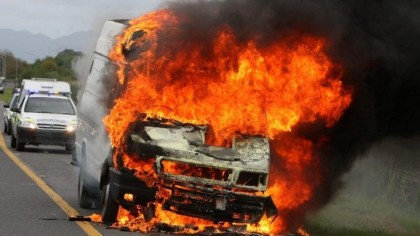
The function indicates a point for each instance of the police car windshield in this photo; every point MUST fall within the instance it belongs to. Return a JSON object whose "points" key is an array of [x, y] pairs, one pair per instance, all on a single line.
{"points": [[14, 101], [49, 105]]}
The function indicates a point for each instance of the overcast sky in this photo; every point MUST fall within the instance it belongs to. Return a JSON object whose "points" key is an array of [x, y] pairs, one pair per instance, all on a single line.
{"points": [[56, 18]]}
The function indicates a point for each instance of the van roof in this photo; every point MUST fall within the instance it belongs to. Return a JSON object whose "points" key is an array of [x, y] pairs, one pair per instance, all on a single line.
{"points": [[107, 37]]}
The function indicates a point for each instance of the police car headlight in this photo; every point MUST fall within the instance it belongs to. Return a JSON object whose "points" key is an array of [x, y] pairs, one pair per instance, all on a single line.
{"points": [[27, 124], [71, 128]]}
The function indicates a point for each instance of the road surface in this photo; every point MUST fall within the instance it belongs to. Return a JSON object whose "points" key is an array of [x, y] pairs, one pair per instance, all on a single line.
{"points": [[39, 192]]}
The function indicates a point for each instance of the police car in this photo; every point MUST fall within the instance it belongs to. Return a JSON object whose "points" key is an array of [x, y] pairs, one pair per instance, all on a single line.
{"points": [[8, 114], [45, 115]]}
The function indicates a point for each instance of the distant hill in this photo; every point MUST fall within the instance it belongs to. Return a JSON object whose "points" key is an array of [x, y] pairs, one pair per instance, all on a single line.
{"points": [[29, 47]]}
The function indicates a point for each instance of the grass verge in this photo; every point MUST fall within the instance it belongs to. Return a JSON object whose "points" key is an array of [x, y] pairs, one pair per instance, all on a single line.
{"points": [[6, 95], [354, 215], [322, 230]]}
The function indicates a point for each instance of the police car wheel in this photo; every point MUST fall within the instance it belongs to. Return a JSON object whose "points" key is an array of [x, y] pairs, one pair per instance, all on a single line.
{"points": [[9, 126], [20, 146], [69, 148], [13, 141]]}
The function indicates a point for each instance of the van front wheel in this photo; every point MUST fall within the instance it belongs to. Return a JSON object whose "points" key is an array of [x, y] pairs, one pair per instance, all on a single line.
{"points": [[88, 191], [110, 208]]}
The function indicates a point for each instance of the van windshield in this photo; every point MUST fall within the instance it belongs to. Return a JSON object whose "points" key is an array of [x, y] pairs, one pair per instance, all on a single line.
{"points": [[49, 105]]}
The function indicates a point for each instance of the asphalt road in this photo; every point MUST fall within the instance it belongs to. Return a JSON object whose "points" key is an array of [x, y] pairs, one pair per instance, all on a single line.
{"points": [[40, 200]]}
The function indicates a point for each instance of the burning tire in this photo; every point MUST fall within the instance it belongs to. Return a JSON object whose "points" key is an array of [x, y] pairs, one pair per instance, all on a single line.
{"points": [[88, 192], [149, 212], [110, 208]]}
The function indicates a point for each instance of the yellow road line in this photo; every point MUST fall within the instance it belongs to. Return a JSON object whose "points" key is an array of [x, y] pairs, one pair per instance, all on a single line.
{"points": [[87, 227]]}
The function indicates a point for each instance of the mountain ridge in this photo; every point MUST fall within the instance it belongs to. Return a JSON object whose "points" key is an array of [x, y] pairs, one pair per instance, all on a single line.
{"points": [[29, 46]]}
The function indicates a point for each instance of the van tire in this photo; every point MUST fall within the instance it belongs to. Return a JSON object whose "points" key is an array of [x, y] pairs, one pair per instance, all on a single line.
{"points": [[13, 141], [5, 128], [149, 211], [110, 208], [88, 192], [20, 146]]}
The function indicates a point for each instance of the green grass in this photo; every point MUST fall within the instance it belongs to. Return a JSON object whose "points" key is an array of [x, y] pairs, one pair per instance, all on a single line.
{"points": [[5, 97], [350, 214], [321, 230]]}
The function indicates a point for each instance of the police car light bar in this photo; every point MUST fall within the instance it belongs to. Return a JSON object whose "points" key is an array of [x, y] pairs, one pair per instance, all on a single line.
{"points": [[49, 92]]}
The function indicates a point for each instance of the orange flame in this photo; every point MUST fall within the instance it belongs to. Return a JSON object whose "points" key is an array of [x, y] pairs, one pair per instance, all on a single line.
{"points": [[96, 218], [233, 87]]}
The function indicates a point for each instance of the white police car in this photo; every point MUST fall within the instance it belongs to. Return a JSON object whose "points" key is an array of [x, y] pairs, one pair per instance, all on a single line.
{"points": [[45, 114], [8, 114]]}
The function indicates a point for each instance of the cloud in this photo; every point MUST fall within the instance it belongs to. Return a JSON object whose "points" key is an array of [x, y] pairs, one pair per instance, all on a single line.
{"points": [[56, 18]]}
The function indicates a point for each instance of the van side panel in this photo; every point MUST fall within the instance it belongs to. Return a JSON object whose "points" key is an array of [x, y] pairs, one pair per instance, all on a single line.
{"points": [[96, 102]]}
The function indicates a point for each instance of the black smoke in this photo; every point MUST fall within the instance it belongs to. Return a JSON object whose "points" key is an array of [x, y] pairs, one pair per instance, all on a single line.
{"points": [[377, 42]]}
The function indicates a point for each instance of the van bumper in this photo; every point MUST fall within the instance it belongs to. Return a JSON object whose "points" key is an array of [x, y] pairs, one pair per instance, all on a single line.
{"points": [[122, 183]]}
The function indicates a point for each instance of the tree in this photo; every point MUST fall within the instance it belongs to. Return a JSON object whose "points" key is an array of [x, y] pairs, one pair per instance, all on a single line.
{"points": [[12, 64], [58, 67]]}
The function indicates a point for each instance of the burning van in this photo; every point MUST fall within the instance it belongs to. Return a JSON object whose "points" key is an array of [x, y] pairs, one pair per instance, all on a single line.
{"points": [[172, 168], [215, 183]]}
